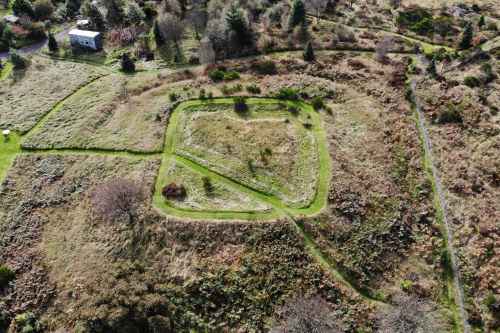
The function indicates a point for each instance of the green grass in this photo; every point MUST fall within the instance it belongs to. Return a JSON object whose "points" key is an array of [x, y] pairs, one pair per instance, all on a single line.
{"points": [[9, 147], [280, 208], [282, 154]]}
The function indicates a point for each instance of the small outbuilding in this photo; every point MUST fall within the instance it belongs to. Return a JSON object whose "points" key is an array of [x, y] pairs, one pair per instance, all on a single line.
{"points": [[90, 39], [83, 24]]}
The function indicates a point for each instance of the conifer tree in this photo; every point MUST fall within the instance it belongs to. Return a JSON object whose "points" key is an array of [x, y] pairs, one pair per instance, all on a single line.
{"points": [[52, 43], [308, 54], [92, 11], [159, 39], [467, 37], [431, 68], [128, 65], [481, 22], [238, 24], [297, 13]]}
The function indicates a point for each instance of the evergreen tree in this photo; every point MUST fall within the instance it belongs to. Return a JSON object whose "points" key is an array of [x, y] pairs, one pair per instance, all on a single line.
{"points": [[52, 43], [239, 24], [92, 11], [20, 7], [467, 37], [481, 22], [128, 65], [308, 54], [135, 15], [431, 68], [159, 39], [297, 13]]}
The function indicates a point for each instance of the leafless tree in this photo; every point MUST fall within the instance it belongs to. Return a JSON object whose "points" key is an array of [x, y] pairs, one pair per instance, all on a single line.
{"points": [[172, 28], [264, 43], [410, 314], [309, 314], [207, 53], [317, 7], [343, 34], [119, 199], [383, 49], [197, 20]]}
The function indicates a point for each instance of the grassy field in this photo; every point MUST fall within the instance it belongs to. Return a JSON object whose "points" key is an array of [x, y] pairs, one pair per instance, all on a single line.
{"points": [[208, 195], [115, 113], [27, 95], [267, 148]]}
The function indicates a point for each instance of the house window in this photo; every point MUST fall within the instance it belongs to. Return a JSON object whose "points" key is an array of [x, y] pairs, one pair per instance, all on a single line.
{"points": [[86, 42]]}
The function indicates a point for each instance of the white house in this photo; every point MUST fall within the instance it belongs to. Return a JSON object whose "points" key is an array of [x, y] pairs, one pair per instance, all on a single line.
{"points": [[90, 39]]}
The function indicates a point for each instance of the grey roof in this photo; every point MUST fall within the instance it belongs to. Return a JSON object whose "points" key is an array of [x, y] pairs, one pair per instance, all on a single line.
{"points": [[11, 18]]}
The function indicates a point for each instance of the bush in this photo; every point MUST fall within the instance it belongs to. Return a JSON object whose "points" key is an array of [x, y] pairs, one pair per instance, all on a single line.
{"points": [[18, 60], [303, 94], [173, 96], [216, 76], [268, 68], [173, 190], [6, 275], [201, 95], [230, 90], [472, 81], [449, 116], [287, 93], [149, 11], [231, 76], [408, 94], [254, 89], [406, 285], [207, 184], [128, 65], [486, 68], [36, 31], [491, 26], [317, 103], [240, 104], [475, 7]]}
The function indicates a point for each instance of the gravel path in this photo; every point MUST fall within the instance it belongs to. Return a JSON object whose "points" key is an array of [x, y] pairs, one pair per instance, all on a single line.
{"points": [[37, 47]]}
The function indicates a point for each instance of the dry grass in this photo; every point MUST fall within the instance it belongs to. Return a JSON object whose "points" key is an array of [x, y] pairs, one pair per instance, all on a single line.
{"points": [[113, 113], [27, 95]]}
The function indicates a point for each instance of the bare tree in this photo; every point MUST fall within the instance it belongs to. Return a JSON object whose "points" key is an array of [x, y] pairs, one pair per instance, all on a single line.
{"points": [[317, 7], [206, 52], [172, 28], [197, 20], [383, 49], [119, 199], [410, 314], [309, 314]]}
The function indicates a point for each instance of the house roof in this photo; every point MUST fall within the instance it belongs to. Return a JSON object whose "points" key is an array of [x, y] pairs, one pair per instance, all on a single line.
{"points": [[11, 18], [84, 33]]}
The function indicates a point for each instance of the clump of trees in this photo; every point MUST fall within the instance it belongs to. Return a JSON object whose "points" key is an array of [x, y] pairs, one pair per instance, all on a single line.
{"points": [[119, 200]]}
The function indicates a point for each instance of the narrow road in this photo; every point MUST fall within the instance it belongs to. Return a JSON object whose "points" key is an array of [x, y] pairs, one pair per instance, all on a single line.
{"points": [[37, 47]]}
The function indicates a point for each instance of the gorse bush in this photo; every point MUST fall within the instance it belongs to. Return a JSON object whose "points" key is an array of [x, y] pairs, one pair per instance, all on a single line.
{"points": [[450, 114], [231, 90], [216, 76], [173, 190], [128, 65], [231, 76], [240, 104], [287, 93], [253, 89], [472, 81], [18, 60], [6, 275], [317, 103], [268, 68]]}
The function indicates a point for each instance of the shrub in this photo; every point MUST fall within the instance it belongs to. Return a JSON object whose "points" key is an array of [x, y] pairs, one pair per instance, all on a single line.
{"points": [[491, 26], [52, 43], [308, 53], [210, 95], [201, 95], [18, 60], [254, 89], [486, 68], [207, 184], [173, 190], [149, 11], [173, 96], [216, 76], [408, 94], [240, 104], [231, 76], [492, 299], [450, 116], [303, 94], [128, 65], [287, 93], [475, 7], [267, 68], [472, 81], [6, 275], [406, 285], [36, 31], [317, 103], [307, 125], [293, 110]]}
